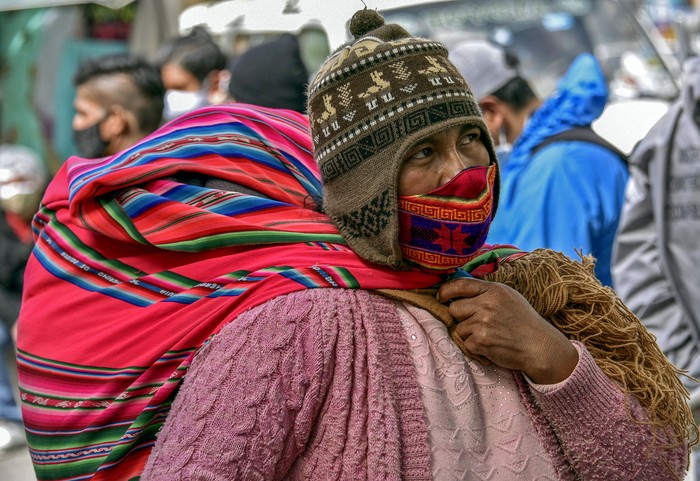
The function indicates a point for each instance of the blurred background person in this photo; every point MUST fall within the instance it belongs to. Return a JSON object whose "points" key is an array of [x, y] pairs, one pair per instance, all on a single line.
{"points": [[119, 100], [562, 185], [656, 255], [23, 178], [506, 99], [271, 74], [192, 68]]}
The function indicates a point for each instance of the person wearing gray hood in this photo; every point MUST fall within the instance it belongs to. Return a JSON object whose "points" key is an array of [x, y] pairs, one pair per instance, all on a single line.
{"points": [[657, 252]]}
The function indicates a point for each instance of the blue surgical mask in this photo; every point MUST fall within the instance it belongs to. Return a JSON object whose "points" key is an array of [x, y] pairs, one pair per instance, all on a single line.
{"points": [[178, 102]]}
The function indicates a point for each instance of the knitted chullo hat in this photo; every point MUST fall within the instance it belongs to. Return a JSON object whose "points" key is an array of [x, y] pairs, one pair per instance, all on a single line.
{"points": [[369, 103]]}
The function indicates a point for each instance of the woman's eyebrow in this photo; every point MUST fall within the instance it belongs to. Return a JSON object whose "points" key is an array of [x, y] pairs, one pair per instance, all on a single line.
{"points": [[468, 127], [419, 143]]}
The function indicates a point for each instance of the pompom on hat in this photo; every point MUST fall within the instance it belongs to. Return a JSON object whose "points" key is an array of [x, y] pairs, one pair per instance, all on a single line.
{"points": [[372, 100]]}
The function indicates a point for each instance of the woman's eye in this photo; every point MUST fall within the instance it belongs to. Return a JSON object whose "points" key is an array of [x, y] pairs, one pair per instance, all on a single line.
{"points": [[422, 153], [469, 137]]}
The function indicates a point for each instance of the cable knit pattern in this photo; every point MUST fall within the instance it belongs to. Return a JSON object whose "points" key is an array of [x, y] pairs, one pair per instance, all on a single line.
{"points": [[320, 385], [313, 385]]}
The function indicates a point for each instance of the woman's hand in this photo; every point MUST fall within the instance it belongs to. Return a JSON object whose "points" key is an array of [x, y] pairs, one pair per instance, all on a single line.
{"points": [[498, 323]]}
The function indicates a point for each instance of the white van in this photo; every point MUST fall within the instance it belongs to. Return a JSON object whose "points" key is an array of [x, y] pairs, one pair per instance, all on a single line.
{"points": [[547, 35]]}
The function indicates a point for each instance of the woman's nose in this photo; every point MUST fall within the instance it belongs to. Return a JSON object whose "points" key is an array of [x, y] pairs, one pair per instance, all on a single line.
{"points": [[452, 165]]}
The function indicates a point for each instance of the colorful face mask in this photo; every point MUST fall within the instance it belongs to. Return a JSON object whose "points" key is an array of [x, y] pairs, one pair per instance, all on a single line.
{"points": [[445, 228]]}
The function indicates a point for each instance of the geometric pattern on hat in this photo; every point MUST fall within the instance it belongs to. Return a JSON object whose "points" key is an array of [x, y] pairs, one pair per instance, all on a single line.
{"points": [[368, 220], [404, 74], [385, 136]]}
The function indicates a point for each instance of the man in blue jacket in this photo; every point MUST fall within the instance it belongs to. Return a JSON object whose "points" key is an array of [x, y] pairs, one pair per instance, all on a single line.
{"points": [[562, 185]]}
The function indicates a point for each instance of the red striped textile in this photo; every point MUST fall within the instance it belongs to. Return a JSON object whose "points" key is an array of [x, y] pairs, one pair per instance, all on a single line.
{"points": [[134, 270]]}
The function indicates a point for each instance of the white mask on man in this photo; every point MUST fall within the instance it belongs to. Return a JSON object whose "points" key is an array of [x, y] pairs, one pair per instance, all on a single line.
{"points": [[178, 102], [503, 148]]}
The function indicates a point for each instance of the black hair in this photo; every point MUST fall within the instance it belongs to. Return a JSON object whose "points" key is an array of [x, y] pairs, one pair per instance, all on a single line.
{"points": [[271, 74], [517, 92], [144, 76], [196, 52]]}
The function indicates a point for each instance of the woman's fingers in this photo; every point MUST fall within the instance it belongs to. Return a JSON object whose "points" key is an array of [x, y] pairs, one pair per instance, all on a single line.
{"points": [[461, 288], [497, 323]]}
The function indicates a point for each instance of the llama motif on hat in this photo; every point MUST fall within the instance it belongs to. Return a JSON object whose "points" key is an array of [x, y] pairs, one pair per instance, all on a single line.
{"points": [[369, 103]]}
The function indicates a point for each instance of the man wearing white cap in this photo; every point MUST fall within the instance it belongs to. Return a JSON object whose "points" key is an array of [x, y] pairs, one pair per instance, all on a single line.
{"points": [[506, 99], [562, 185]]}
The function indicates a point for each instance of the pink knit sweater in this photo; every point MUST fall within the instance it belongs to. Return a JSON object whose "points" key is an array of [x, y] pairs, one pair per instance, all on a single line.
{"points": [[320, 385]]}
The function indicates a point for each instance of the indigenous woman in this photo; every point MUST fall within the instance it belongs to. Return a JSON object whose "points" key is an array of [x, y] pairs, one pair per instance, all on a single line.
{"points": [[329, 302]]}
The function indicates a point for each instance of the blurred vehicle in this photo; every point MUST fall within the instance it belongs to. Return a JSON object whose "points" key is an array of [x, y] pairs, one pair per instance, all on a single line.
{"points": [[686, 24], [547, 35], [240, 24]]}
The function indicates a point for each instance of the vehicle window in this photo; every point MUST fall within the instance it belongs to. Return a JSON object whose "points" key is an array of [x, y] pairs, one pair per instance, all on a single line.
{"points": [[547, 35], [630, 62]]}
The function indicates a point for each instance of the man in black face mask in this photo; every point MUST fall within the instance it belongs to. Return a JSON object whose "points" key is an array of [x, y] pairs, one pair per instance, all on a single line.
{"points": [[119, 100]]}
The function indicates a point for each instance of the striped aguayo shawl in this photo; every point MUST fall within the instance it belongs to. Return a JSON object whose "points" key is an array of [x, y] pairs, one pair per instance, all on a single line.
{"points": [[133, 271]]}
